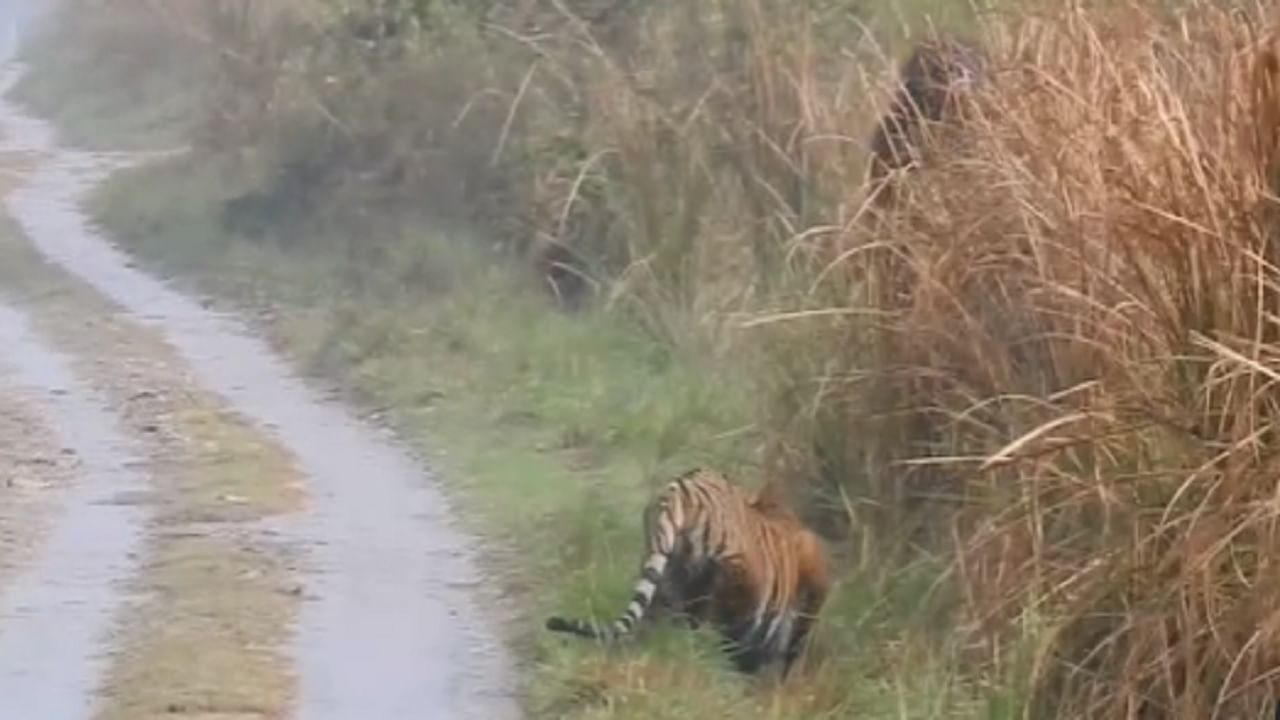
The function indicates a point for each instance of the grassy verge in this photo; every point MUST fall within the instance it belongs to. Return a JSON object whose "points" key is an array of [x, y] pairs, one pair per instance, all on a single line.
{"points": [[216, 599], [552, 430]]}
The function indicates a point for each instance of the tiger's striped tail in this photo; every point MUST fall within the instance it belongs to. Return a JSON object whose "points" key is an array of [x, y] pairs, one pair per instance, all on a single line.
{"points": [[641, 600]]}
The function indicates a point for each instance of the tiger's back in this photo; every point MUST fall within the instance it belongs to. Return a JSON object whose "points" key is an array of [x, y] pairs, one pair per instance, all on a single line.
{"points": [[717, 553]]}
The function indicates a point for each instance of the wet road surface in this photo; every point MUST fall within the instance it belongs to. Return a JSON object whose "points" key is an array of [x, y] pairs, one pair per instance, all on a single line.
{"points": [[56, 613], [390, 627]]}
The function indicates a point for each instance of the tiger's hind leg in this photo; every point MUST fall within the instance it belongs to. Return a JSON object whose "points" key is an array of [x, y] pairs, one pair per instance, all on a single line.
{"points": [[776, 641], [795, 647], [806, 615], [747, 659], [744, 644]]}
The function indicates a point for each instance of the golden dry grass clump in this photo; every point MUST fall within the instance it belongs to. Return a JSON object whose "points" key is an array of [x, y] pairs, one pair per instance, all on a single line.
{"points": [[1082, 303]]}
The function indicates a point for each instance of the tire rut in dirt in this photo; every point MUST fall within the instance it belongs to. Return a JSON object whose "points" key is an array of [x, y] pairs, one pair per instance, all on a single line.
{"points": [[57, 614], [390, 629]]}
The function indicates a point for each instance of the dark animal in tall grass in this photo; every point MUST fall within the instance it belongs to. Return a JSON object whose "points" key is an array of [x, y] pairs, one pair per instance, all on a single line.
{"points": [[563, 274], [383, 25], [929, 85]]}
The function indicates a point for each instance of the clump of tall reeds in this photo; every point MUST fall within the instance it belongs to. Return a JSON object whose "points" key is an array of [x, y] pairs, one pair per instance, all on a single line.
{"points": [[1060, 349]]}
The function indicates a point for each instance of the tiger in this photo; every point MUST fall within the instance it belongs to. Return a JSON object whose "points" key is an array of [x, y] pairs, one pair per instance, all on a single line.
{"points": [[741, 561]]}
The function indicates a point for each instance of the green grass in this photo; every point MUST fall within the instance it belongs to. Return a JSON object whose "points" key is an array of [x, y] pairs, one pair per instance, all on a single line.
{"points": [[551, 430]]}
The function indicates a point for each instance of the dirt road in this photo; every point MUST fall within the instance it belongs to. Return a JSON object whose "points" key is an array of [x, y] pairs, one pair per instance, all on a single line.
{"points": [[186, 528]]}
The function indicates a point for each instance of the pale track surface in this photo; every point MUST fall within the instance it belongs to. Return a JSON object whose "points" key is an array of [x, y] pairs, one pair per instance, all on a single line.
{"points": [[59, 606], [295, 562], [35, 472]]}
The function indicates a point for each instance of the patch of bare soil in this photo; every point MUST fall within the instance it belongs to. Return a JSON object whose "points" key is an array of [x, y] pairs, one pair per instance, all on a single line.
{"points": [[33, 471]]}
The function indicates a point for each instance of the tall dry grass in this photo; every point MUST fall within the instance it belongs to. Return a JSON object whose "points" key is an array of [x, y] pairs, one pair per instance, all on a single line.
{"points": [[674, 149], [1058, 355]]}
